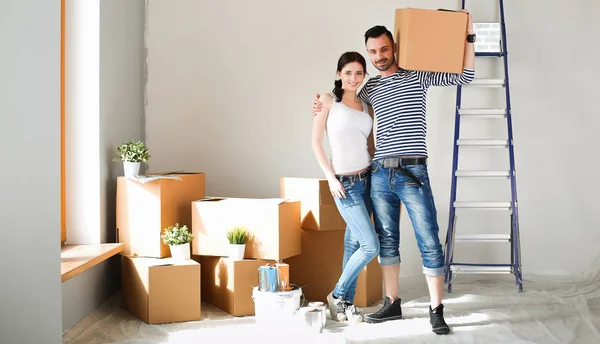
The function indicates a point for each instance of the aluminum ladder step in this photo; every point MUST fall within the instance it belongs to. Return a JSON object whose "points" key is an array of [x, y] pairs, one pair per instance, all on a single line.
{"points": [[483, 174], [482, 143], [481, 269], [482, 238], [490, 54], [486, 82], [483, 205], [483, 113]]}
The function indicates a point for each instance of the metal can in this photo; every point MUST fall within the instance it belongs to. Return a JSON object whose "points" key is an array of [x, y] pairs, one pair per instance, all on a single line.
{"points": [[320, 306], [272, 279], [263, 278], [284, 276]]}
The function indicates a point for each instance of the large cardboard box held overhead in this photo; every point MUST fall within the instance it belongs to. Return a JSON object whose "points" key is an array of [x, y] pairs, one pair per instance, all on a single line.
{"points": [[273, 226], [430, 40], [161, 290], [228, 284], [319, 267], [145, 209], [318, 209]]}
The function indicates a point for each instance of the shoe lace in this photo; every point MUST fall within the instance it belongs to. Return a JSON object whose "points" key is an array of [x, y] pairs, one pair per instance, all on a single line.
{"points": [[352, 309], [341, 307]]}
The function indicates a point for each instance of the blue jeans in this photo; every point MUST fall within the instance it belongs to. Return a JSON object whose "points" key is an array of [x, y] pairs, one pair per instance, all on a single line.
{"points": [[361, 244], [389, 188]]}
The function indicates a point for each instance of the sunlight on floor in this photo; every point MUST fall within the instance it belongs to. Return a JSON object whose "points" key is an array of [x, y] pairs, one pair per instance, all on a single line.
{"points": [[479, 310]]}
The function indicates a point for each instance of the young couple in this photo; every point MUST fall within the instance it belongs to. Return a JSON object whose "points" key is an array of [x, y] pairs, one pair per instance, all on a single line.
{"points": [[396, 174]]}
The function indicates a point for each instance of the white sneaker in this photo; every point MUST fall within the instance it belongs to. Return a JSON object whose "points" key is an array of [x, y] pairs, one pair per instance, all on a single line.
{"points": [[353, 314], [337, 308]]}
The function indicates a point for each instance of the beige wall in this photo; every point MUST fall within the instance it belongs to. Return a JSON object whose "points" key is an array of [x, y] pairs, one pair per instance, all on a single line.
{"points": [[230, 84]]}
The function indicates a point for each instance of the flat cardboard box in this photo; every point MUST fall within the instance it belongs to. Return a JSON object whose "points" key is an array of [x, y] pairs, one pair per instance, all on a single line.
{"points": [[430, 40], [319, 267], [228, 284], [161, 290], [144, 210], [318, 209], [273, 226]]}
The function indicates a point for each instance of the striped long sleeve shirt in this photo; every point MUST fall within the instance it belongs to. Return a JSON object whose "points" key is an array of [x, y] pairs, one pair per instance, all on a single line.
{"points": [[399, 101]]}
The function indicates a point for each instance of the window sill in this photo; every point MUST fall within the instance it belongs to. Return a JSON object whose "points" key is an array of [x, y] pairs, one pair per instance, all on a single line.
{"points": [[75, 259]]}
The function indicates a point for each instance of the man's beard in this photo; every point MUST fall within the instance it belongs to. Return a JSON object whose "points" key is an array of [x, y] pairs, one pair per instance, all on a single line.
{"points": [[385, 66]]}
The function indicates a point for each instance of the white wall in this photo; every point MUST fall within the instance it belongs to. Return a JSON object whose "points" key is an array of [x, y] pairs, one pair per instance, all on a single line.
{"points": [[230, 84], [105, 63], [30, 297], [82, 116], [122, 79]]}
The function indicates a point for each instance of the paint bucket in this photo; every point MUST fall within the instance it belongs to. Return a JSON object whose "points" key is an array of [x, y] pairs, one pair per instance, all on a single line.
{"points": [[276, 307]]}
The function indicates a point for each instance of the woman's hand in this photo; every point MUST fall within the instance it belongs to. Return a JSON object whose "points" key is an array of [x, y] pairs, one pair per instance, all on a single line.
{"points": [[336, 188]]}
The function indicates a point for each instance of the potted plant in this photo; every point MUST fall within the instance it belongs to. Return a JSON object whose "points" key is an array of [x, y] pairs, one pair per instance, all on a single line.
{"points": [[237, 242], [178, 238], [132, 154]]}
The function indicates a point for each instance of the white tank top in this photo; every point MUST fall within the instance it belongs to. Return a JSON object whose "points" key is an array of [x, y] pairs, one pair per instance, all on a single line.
{"points": [[347, 132]]}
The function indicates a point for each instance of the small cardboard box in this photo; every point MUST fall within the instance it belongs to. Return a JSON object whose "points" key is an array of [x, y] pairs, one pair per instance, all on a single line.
{"points": [[228, 284], [430, 40], [146, 207], [273, 226], [319, 267], [161, 290], [318, 209]]}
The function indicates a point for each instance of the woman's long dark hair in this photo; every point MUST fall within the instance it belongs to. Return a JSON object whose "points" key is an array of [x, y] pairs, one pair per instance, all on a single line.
{"points": [[347, 57]]}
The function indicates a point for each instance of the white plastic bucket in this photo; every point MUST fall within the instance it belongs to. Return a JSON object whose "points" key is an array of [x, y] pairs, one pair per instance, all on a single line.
{"points": [[276, 307]]}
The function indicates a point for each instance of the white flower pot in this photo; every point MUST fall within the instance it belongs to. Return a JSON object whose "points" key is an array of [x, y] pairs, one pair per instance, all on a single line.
{"points": [[131, 168], [236, 251], [180, 252]]}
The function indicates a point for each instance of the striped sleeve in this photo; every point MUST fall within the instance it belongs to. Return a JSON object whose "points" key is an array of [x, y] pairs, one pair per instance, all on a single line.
{"points": [[445, 79], [364, 94]]}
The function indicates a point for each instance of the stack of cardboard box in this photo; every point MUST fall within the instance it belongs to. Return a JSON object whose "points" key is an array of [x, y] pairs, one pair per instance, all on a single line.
{"points": [[156, 288], [319, 266], [273, 227]]}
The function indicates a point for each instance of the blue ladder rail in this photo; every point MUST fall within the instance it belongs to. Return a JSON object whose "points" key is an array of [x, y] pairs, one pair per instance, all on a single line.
{"points": [[515, 262]]}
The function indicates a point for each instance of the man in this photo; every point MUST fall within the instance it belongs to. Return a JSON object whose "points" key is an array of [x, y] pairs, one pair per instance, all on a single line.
{"points": [[399, 168]]}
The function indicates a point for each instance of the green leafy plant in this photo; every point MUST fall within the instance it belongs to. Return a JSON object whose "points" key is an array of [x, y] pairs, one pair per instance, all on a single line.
{"points": [[237, 235], [132, 151], [177, 235]]}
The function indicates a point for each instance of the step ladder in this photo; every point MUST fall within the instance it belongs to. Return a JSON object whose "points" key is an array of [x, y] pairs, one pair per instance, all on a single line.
{"points": [[512, 237]]}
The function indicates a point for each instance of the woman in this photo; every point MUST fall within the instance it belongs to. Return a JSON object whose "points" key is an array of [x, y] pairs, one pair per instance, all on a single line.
{"points": [[349, 124]]}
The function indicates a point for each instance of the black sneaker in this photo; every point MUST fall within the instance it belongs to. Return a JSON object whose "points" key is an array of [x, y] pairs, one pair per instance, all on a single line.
{"points": [[389, 311], [436, 318]]}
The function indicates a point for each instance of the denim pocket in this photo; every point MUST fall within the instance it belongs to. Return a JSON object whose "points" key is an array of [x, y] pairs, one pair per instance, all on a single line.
{"points": [[418, 171], [354, 192], [348, 185], [374, 166]]}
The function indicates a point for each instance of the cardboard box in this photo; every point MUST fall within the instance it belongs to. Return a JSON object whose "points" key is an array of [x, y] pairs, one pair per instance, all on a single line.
{"points": [[430, 40], [144, 210], [228, 284], [273, 225], [319, 267], [161, 290], [318, 209]]}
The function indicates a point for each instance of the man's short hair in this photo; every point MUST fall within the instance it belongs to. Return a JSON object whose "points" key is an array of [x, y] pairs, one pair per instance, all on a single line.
{"points": [[377, 31]]}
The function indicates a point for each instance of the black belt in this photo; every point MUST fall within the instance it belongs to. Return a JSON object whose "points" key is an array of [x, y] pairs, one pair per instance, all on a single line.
{"points": [[398, 164], [398, 161], [353, 177]]}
